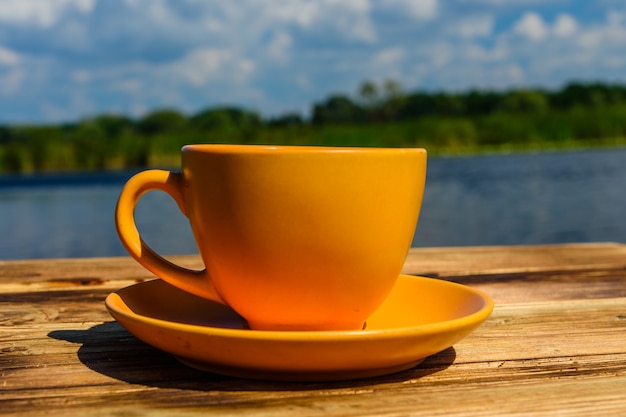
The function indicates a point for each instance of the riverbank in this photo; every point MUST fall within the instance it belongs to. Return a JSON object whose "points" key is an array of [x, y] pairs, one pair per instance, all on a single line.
{"points": [[579, 116], [94, 145], [567, 145], [171, 160], [516, 199]]}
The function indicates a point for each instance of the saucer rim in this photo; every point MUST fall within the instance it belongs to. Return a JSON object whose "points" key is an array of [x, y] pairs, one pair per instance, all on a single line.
{"points": [[474, 318]]}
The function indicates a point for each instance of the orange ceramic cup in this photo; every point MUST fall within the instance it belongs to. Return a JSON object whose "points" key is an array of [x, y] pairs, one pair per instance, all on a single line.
{"points": [[292, 238]]}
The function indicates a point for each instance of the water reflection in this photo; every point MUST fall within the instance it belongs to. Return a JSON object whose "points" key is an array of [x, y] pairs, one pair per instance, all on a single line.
{"points": [[486, 200], [525, 199]]}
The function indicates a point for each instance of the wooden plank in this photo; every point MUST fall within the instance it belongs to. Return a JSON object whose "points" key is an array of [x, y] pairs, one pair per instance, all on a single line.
{"points": [[503, 288], [546, 286], [448, 262], [464, 389], [565, 328], [572, 398], [80, 271], [442, 262], [555, 342], [108, 380], [62, 363]]}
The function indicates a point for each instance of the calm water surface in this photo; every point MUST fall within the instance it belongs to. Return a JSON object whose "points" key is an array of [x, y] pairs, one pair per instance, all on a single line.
{"points": [[554, 197]]}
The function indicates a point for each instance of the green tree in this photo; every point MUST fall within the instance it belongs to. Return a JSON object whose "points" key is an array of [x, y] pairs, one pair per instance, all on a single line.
{"points": [[12, 159], [578, 94], [393, 100], [225, 118], [480, 103], [286, 120], [113, 125], [90, 145], [42, 147], [161, 121], [337, 109], [417, 105], [369, 95], [524, 101]]}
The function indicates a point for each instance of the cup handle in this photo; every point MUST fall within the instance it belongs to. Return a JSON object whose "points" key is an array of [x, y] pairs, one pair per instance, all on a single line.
{"points": [[195, 282]]}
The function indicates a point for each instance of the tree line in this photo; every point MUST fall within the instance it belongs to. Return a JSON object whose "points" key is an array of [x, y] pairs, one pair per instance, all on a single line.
{"points": [[377, 114], [387, 102]]}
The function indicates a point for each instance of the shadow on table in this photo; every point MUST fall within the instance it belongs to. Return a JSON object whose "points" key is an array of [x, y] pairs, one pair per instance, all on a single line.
{"points": [[110, 350]]}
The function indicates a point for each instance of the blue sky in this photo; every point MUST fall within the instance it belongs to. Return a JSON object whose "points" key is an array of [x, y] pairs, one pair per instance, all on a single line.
{"points": [[63, 60]]}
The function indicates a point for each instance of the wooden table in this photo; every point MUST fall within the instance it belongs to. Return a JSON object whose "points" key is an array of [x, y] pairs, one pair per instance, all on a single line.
{"points": [[555, 345]]}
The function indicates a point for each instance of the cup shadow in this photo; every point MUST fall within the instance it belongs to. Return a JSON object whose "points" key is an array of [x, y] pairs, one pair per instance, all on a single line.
{"points": [[110, 350]]}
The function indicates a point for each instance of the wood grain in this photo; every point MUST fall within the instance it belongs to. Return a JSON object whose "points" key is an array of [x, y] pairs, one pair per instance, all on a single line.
{"points": [[555, 344]]}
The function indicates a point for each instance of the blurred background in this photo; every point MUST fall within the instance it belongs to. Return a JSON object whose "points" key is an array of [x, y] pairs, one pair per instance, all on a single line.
{"points": [[521, 105]]}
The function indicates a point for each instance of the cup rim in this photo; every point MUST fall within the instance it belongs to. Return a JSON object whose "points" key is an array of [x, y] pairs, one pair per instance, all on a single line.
{"points": [[268, 149]]}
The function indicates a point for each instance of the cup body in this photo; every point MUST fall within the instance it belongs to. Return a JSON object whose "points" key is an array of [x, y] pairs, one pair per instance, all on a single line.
{"points": [[301, 238]]}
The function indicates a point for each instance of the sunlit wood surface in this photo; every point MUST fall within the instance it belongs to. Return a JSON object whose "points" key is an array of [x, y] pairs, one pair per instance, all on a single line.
{"points": [[555, 345]]}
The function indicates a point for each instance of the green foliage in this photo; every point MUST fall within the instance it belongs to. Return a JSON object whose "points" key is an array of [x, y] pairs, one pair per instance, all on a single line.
{"points": [[380, 115], [337, 109], [225, 119], [164, 120], [524, 101], [286, 120]]}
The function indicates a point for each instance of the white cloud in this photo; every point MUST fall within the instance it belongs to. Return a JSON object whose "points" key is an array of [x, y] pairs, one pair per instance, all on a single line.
{"points": [[81, 76], [350, 17], [477, 26], [604, 39], [565, 25], [11, 75], [8, 57], [385, 64], [389, 57], [203, 65], [42, 13], [531, 26], [132, 86], [11, 82], [573, 47], [301, 13], [85, 6], [616, 18], [279, 46], [418, 9], [479, 53], [439, 55], [135, 55]]}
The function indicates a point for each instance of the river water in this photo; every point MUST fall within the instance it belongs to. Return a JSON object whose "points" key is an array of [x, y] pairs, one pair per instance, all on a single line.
{"points": [[529, 198]]}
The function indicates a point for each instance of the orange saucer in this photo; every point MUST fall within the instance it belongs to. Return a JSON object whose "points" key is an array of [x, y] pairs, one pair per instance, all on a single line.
{"points": [[421, 316]]}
